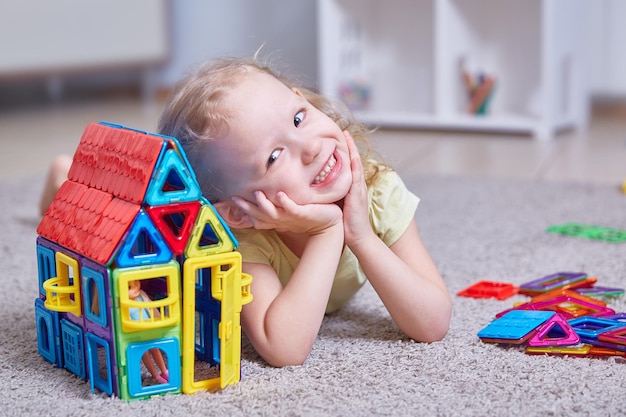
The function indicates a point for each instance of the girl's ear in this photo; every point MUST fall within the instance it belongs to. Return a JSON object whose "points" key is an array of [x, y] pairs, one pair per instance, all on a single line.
{"points": [[233, 215]]}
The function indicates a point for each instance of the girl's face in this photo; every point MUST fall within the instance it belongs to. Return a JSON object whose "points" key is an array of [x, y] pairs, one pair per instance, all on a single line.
{"points": [[277, 141]]}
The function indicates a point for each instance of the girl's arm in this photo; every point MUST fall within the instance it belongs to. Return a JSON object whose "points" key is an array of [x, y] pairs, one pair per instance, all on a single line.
{"points": [[409, 284], [282, 323], [404, 275]]}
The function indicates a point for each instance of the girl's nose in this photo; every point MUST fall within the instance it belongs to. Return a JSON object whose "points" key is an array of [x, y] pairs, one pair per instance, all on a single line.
{"points": [[310, 150]]}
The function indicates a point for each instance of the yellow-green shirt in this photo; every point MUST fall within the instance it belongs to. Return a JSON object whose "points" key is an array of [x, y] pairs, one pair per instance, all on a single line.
{"points": [[391, 208]]}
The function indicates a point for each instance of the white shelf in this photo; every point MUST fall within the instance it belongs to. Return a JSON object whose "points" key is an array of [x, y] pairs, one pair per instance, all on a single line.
{"points": [[514, 123], [409, 54]]}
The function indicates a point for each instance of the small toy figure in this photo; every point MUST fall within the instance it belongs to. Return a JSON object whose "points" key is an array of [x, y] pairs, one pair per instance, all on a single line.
{"points": [[135, 293]]}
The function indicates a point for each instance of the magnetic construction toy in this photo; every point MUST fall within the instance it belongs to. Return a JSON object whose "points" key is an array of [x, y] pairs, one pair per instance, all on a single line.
{"points": [[135, 266], [606, 234], [566, 315]]}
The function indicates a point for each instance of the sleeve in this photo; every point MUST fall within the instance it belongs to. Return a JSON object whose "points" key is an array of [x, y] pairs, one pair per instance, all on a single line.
{"points": [[392, 207], [254, 247]]}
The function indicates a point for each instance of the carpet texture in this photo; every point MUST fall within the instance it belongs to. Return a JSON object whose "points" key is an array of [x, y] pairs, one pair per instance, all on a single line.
{"points": [[361, 364]]}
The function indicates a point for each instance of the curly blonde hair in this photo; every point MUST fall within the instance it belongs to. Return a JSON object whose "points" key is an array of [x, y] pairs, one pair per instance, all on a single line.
{"points": [[195, 116]]}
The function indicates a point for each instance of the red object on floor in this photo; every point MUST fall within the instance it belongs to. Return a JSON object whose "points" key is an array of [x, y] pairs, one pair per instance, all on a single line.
{"points": [[489, 289]]}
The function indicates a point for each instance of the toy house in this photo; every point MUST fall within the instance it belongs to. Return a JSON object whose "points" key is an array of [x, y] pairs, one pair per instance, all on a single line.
{"points": [[131, 220]]}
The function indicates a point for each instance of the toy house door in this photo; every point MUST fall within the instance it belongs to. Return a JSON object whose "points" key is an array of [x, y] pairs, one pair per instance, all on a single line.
{"points": [[230, 325]]}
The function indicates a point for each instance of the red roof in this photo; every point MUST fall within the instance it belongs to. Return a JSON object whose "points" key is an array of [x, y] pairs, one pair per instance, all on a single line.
{"points": [[106, 185], [87, 221], [117, 161]]}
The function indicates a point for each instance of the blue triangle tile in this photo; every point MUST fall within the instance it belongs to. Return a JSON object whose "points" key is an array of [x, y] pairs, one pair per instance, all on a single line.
{"points": [[143, 245], [172, 182]]}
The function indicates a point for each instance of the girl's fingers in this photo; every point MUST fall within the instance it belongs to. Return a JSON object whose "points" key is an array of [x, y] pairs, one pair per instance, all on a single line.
{"points": [[285, 202], [252, 209], [242, 203], [265, 205], [355, 159], [352, 149]]}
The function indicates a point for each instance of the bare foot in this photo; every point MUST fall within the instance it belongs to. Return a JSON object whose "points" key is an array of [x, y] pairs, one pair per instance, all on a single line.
{"points": [[57, 174]]}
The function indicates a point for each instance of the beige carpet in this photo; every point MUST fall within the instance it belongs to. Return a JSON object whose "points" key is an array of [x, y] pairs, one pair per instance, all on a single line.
{"points": [[361, 364]]}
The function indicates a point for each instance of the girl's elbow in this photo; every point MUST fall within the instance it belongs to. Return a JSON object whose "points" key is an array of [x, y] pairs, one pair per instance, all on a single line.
{"points": [[437, 333], [440, 330], [437, 329], [286, 360], [442, 324], [287, 356]]}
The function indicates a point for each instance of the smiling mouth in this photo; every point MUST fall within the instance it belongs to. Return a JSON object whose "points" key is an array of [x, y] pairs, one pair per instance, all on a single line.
{"points": [[321, 176]]}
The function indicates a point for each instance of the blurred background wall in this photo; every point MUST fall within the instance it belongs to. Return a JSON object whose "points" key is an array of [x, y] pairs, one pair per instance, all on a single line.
{"points": [[202, 29], [195, 30], [52, 50]]}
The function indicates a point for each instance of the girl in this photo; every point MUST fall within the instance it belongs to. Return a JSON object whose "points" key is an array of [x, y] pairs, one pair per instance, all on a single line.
{"points": [[313, 220]]}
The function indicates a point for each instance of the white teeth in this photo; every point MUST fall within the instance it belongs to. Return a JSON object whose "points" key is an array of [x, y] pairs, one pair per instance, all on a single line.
{"points": [[322, 174]]}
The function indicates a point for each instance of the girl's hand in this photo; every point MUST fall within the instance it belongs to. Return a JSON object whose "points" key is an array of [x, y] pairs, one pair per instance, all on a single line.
{"points": [[287, 216], [356, 222]]}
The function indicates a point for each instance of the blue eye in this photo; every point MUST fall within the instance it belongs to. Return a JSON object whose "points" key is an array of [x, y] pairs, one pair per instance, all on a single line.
{"points": [[273, 157], [297, 119]]}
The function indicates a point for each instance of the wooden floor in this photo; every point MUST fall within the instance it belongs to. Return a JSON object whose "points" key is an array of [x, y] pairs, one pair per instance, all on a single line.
{"points": [[32, 135]]}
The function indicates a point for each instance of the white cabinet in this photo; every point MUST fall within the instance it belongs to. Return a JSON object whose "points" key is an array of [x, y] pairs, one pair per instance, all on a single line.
{"points": [[407, 55], [608, 53], [58, 38]]}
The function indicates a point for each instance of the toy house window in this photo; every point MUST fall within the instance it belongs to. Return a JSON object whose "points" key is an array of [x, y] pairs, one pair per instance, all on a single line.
{"points": [[199, 282], [215, 343], [46, 265], [208, 309], [140, 381], [173, 182], [149, 298], [94, 295], [206, 361], [203, 283], [175, 222], [73, 351], [45, 339], [199, 333], [209, 237], [63, 291], [46, 336], [143, 245], [99, 361]]}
